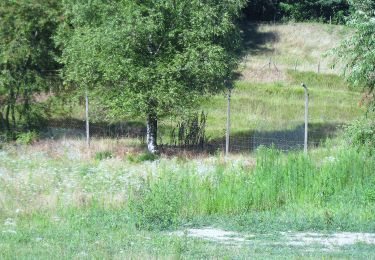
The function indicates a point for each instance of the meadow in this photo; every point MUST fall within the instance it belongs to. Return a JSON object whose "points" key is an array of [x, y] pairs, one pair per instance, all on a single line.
{"points": [[114, 208], [59, 200]]}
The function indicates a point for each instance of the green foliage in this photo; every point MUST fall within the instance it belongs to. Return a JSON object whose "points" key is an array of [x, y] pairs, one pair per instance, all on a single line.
{"points": [[27, 137], [312, 79], [321, 10], [102, 155], [276, 182], [358, 51], [190, 131], [154, 57], [361, 133], [143, 157], [297, 10], [26, 56], [157, 205]]}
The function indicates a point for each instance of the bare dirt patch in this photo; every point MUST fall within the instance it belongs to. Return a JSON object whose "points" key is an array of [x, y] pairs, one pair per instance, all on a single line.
{"points": [[328, 241]]}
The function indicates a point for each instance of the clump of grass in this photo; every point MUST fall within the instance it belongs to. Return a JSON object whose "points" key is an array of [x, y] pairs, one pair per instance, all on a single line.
{"points": [[143, 157], [277, 182], [27, 137], [102, 155], [315, 80]]}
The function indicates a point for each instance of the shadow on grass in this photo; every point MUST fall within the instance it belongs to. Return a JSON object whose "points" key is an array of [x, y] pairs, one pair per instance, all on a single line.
{"points": [[75, 128], [254, 41], [240, 142], [285, 140]]}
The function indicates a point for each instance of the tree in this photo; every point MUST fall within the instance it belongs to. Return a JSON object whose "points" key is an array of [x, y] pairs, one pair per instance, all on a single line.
{"points": [[26, 55], [305, 10], [149, 58], [359, 50]]}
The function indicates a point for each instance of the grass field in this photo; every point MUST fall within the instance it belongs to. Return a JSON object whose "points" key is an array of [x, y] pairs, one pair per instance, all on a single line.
{"points": [[280, 105], [57, 200], [270, 100], [62, 205]]}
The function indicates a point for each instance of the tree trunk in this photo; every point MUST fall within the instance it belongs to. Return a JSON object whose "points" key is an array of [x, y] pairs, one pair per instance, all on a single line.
{"points": [[7, 112], [152, 133], [2, 121]]}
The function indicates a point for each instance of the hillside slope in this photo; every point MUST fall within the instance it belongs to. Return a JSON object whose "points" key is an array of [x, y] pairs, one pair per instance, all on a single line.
{"points": [[292, 46], [269, 101]]}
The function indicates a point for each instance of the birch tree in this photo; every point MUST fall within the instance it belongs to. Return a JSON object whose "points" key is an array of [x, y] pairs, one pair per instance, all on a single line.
{"points": [[149, 59], [358, 51]]}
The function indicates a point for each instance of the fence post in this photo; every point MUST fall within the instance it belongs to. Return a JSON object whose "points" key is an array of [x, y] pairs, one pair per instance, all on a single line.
{"points": [[228, 123], [319, 67], [306, 117], [270, 63], [87, 120]]}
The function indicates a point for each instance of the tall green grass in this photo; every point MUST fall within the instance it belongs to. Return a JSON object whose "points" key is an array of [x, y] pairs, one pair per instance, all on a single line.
{"points": [[276, 183]]}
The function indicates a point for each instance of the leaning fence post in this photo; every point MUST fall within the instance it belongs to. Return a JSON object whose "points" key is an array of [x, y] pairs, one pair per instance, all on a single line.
{"points": [[306, 117]]}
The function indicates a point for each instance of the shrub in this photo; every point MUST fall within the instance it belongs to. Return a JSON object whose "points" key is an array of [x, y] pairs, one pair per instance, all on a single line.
{"points": [[157, 204], [361, 133], [278, 181], [143, 157], [27, 138], [103, 155]]}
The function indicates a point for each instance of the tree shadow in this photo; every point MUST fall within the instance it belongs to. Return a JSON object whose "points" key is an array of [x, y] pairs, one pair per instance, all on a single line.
{"points": [[254, 41], [285, 140], [75, 128]]}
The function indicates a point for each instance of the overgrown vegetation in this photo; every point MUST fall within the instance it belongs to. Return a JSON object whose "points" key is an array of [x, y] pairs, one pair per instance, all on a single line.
{"points": [[190, 131], [307, 10], [27, 59], [161, 59], [361, 133], [358, 51], [277, 182], [67, 201]]}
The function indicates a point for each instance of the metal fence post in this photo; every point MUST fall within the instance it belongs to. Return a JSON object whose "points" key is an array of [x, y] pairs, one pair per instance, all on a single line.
{"points": [[228, 123], [87, 120]]}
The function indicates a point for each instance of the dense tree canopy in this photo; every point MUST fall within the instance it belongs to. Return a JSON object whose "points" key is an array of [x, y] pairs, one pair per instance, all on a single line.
{"points": [[27, 53], [305, 10], [359, 50], [150, 58]]}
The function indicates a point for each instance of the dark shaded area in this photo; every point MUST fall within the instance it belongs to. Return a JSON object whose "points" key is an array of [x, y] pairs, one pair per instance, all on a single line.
{"points": [[297, 10], [70, 127], [284, 140], [262, 10], [254, 41]]}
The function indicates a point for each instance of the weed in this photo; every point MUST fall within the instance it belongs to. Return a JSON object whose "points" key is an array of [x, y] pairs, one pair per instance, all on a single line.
{"points": [[103, 155], [277, 181], [27, 137], [143, 157]]}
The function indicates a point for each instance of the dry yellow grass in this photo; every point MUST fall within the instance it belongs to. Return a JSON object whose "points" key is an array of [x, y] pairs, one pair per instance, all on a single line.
{"points": [[301, 46]]}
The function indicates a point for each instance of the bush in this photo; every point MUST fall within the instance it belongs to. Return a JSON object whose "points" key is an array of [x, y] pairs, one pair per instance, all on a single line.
{"points": [[278, 181], [157, 204], [143, 157], [103, 155], [27, 138], [361, 133]]}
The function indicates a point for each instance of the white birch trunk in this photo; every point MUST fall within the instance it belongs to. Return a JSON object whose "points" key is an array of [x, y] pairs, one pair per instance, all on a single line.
{"points": [[152, 130]]}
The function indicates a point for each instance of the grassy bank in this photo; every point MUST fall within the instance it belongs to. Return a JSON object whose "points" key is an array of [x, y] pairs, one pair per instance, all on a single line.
{"points": [[279, 106], [116, 208]]}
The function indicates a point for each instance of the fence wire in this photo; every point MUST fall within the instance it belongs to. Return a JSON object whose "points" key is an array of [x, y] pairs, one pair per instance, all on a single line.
{"points": [[258, 135]]}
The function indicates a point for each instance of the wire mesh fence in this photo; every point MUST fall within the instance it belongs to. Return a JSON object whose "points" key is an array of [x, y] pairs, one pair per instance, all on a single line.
{"points": [[284, 137]]}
